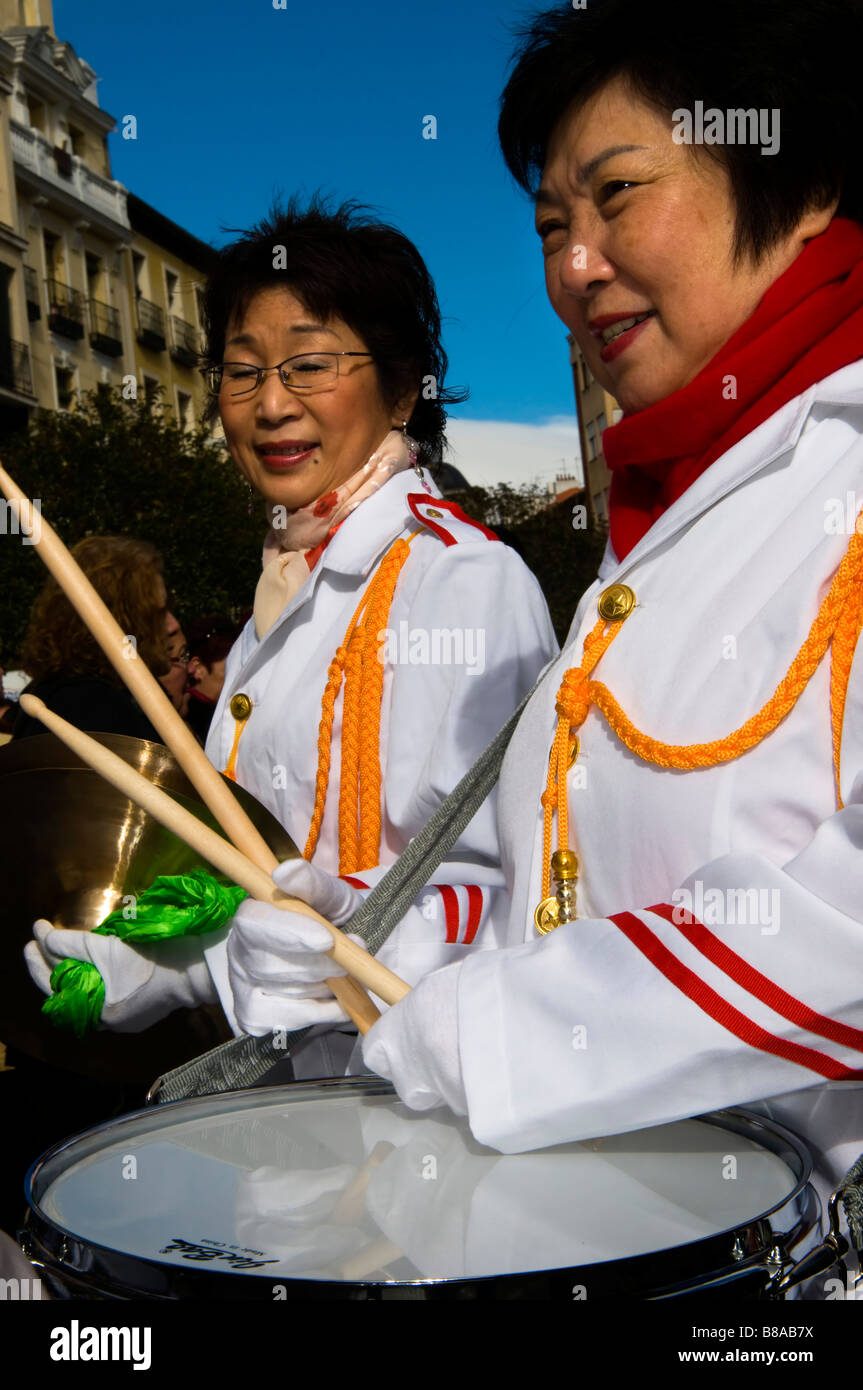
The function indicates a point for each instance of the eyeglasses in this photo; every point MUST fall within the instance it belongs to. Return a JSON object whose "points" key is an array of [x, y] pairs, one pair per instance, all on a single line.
{"points": [[182, 658], [310, 371]]}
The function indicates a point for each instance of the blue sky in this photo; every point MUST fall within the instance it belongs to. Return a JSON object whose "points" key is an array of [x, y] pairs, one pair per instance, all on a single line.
{"points": [[236, 100]]}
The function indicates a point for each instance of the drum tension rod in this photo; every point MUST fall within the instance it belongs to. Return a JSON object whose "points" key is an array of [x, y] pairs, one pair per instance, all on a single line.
{"points": [[830, 1252]]}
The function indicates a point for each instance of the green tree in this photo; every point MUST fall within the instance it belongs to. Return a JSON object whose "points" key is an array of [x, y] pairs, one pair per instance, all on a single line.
{"points": [[563, 555], [115, 467]]}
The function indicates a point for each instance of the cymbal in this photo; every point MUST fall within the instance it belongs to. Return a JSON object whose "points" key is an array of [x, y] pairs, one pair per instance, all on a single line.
{"points": [[71, 849]]}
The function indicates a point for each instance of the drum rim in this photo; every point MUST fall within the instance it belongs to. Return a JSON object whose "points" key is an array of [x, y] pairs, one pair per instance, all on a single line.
{"points": [[54, 1239]]}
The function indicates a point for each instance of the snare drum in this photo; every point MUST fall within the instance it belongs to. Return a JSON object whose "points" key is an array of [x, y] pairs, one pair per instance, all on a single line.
{"points": [[334, 1189]]}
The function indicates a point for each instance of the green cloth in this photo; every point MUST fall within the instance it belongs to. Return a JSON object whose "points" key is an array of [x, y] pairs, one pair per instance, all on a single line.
{"points": [[174, 905]]}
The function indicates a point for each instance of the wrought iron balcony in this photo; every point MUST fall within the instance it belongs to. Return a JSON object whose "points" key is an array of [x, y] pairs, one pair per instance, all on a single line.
{"points": [[65, 309], [15, 374], [105, 333], [184, 341], [151, 326], [31, 292]]}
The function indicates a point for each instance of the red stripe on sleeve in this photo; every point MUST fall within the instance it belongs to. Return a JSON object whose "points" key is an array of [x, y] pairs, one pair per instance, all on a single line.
{"points": [[474, 912], [759, 985], [354, 882], [720, 1010], [450, 904]]}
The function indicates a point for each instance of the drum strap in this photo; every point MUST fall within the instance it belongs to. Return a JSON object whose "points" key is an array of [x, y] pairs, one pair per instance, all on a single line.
{"points": [[241, 1062]]}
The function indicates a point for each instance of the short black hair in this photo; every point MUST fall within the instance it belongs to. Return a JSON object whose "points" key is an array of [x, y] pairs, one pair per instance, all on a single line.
{"points": [[797, 56], [342, 263]]}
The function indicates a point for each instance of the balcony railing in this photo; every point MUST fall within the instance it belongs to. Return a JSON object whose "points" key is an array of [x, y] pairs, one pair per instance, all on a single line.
{"points": [[184, 341], [65, 309], [31, 151], [31, 293], [151, 325], [105, 333], [15, 374]]}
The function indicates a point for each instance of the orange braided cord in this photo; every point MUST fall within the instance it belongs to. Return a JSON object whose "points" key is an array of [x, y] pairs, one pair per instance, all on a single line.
{"points": [[325, 731], [839, 618], [571, 706], [231, 767], [783, 699], [841, 656], [349, 789], [374, 625]]}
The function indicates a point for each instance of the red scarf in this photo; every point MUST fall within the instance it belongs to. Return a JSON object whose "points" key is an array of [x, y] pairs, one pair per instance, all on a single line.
{"points": [[807, 326]]}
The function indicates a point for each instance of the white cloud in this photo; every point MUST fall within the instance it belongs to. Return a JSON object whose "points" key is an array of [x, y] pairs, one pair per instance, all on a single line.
{"points": [[504, 451]]}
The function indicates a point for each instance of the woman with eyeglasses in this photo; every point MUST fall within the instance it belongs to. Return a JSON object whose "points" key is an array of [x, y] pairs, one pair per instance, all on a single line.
{"points": [[391, 636]]}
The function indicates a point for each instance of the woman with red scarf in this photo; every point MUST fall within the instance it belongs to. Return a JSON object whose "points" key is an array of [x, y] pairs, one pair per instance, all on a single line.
{"points": [[698, 746]]}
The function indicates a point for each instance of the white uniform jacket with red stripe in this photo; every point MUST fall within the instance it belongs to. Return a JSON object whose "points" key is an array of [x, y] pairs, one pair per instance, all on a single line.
{"points": [[629, 1017], [468, 634]]}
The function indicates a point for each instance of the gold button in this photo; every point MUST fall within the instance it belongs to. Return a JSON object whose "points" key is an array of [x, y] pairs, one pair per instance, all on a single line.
{"points": [[616, 602], [432, 512], [241, 706], [573, 750], [547, 915]]}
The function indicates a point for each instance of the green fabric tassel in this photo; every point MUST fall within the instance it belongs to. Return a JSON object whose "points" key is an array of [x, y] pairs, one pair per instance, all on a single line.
{"points": [[174, 905]]}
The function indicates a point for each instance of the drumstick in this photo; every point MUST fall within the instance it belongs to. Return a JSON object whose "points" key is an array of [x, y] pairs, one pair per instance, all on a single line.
{"points": [[224, 856], [207, 781]]}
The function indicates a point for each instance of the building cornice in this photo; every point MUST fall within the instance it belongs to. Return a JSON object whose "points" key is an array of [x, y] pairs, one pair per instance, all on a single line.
{"points": [[45, 80]]}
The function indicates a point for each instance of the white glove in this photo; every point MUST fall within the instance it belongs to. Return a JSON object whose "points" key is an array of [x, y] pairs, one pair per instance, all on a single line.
{"points": [[143, 983], [415, 1044], [276, 959]]}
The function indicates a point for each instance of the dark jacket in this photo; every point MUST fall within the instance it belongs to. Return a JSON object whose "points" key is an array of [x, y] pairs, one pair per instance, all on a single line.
{"points": [[90, 703]]}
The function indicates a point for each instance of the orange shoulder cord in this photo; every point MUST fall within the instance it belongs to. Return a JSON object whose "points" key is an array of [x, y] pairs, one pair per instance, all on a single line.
{"points": [[360, 659], [840, 618]]}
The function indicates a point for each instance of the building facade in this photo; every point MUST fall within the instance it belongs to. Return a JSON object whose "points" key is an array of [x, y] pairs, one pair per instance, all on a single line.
{"points": [[96, 287], [595, 409]]}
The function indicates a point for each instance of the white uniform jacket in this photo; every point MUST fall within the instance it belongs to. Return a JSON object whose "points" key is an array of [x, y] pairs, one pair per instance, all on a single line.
{"points": [[625, 1018], [468, 634]]}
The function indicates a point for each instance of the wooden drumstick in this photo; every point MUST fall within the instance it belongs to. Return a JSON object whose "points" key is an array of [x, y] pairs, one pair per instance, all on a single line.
{"points": [[217, 851], [152, 698]]}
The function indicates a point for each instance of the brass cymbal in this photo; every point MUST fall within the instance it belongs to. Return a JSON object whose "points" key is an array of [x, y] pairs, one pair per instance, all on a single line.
{"points": [[71, 848]]}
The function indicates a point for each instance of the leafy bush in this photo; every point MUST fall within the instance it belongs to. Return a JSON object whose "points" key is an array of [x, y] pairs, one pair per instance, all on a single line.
{"points": [[563, 557]]}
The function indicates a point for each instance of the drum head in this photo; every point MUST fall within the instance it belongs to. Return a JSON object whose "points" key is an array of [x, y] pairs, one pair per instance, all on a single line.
{"points": [[331, 1189]]}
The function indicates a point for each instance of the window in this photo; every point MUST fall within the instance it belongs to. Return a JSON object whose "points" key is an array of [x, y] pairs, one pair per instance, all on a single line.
{"points": [[54, 262], [199, 300], [592, 445], [77, 142], [139, 275], [96, 286], [172, 297], [152, 394], [184, 411], [585, 375], [37, 115], [65, 382]]}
